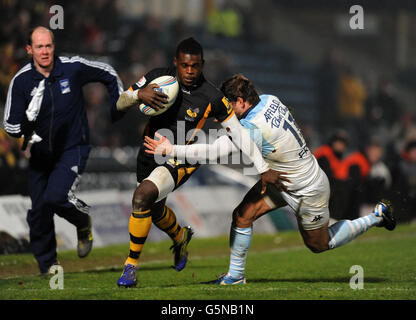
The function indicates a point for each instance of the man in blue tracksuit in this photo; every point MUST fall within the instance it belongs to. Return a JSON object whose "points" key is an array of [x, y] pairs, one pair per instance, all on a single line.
{"points": [[45, 105]]}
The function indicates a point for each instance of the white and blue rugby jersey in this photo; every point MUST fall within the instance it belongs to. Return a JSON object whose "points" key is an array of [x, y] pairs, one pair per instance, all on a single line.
{"points": [[274, 130]]}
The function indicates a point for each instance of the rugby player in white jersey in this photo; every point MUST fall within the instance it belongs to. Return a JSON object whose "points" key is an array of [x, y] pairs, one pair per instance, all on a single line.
{"points": [[304, 185]]}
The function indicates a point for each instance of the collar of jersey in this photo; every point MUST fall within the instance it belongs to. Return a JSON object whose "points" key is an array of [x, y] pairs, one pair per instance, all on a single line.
{"points": [[56, 70], [253, 110]]}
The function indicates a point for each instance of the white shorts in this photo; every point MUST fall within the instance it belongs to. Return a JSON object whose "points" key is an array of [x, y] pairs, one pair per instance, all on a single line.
{"points": [[163, 180], [310, 204]]}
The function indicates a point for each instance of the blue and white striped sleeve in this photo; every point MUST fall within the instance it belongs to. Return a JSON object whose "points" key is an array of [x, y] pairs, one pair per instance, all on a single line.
{"points": [[96, 71], [14, 111]]}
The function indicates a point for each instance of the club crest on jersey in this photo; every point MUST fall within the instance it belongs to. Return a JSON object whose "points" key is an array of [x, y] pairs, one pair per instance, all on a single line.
{"points": [[191, 114], [64, 83]]}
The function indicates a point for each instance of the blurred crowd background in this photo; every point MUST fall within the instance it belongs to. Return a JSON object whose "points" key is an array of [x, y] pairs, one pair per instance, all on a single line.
{"points": [[351, 91]]}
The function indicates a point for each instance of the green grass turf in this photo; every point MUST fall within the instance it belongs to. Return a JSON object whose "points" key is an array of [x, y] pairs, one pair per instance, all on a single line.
{"points": [[279, 267]]}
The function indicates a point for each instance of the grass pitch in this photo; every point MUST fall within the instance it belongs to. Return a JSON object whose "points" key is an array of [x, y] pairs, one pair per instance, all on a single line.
{"points": [[279, 267]]}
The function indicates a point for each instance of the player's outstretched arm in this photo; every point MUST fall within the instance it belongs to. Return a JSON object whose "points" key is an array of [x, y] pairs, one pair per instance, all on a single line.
{"points": [[241, 138], [194, 152], [161, 146], [200, 152]]}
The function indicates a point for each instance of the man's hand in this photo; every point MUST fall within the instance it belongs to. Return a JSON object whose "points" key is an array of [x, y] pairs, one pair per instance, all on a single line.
{"points": [[161, 146], [274, 177], [151, 97]]}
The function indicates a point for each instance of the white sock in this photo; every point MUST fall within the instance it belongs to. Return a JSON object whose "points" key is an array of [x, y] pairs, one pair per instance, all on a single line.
{"points": [[344, 231], [240, 240]]}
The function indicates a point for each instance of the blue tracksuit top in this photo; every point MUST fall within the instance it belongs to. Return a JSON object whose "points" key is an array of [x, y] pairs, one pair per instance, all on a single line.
{"points": [[62, 121]]}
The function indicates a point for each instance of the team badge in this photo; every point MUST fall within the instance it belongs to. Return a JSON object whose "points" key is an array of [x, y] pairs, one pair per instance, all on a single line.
{"points": [[191, 114], [65, 88]]}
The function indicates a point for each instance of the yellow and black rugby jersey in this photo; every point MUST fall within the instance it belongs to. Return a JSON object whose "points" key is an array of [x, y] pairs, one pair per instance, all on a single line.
{"points": [[191, 109]]}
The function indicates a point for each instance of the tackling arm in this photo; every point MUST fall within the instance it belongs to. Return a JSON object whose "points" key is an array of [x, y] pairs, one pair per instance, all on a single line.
{"points": [[199, 152], [241, 138], [194, 152], [221, 147]]}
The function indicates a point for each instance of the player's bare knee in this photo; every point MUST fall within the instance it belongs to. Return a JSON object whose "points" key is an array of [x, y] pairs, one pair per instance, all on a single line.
{"points": [[244, 222], [243, 218], [316, 240], [316, 247], [236, 214], [145, 196]]}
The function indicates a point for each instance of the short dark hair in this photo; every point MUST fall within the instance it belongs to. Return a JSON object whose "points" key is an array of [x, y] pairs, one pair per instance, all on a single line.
{"points": [[240, 86], [189, 46]]}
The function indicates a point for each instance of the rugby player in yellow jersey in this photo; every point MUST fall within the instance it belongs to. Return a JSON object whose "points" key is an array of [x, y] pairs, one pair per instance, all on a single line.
{"points": [[197, 100]]}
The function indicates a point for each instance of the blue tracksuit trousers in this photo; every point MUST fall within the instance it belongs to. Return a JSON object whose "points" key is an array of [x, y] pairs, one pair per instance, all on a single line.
{"points": [[52, 182]]}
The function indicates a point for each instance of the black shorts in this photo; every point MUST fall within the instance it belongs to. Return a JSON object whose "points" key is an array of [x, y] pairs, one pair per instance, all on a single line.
{"points": [[180, 172]]}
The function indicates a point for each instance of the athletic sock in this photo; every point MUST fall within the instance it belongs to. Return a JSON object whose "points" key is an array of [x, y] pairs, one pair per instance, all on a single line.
{"points": [[169, 224], [344, 231], [139, 227], [240, 240]]}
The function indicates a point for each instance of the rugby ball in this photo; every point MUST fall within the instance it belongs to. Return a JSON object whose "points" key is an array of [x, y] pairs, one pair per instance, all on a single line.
{"points": [[168, 85]]}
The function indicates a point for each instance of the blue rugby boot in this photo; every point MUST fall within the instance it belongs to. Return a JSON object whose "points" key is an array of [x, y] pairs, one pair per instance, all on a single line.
{"points": [[180, 249], [128, 277]]}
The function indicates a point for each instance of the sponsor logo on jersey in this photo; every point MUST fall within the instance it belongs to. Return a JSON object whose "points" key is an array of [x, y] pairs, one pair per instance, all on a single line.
{"points": [[141, 82], [174, 163], [64, 83], [275, 113]]}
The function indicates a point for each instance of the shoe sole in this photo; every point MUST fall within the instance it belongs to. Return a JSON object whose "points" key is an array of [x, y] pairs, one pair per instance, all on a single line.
{"points": [[127, 286], [223, 283], [232, 284]]}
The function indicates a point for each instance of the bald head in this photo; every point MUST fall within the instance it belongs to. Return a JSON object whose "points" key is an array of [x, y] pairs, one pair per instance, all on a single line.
{"points": [[39, 30], [41, 47]]}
